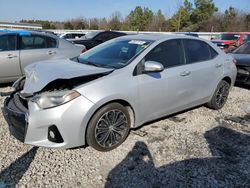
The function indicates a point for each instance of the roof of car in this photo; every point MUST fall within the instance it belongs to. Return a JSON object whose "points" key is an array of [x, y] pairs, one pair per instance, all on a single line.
{"points": [[23, 32], [20, 32], [155, 36]]}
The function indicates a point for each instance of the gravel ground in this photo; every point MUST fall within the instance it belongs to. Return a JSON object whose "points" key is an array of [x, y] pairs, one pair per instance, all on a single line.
{"points": [[197, 148]]}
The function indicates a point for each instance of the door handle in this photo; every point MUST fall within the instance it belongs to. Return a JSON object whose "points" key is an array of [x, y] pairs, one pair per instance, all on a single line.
{"points": [[185, 73], [218, 65], [51, 52], [11, 56]]}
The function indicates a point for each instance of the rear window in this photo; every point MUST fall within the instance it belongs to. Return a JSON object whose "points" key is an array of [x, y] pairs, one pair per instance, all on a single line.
{"points": [[7, 42], [243, 49], [229, 37]]}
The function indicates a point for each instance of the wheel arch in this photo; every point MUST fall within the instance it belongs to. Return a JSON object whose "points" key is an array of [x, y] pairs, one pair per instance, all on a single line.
{"points": [[119, 101], [227, 79]]}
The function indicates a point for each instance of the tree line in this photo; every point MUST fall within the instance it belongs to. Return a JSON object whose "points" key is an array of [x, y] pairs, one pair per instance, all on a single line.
{"points": [[202, 15]]}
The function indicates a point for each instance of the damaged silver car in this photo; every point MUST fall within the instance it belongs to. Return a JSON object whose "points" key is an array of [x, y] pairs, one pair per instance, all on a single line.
{"points": [[98, 97]]}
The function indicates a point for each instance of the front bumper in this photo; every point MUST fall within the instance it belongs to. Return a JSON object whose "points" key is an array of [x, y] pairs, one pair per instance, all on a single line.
{"points": [[243, 75], [16, 118], [32, 125]]}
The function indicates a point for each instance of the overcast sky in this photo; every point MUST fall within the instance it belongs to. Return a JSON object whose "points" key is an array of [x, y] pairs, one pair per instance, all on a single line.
{"points": [[61, 10]]}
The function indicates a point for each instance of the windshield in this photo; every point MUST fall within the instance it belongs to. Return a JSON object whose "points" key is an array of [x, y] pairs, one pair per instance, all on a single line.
{"points": [[91, 35], [114, 54], [229, 37], [243, 49]]}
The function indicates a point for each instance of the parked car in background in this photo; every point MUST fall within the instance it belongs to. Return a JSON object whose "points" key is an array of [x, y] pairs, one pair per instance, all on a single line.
{"points": [[231, 40], [21, 48], [242, 57], [97, 98], [95, 38], [71, 35]]}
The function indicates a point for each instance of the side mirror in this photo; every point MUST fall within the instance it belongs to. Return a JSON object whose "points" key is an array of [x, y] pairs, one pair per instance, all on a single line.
{"points": [[153, 66]]}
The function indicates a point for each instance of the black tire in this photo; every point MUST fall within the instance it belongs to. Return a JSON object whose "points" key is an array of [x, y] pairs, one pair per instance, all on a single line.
{"points": [[108, 128], [220, 96]]}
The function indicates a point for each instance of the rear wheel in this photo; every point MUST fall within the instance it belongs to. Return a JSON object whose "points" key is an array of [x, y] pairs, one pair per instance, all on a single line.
{"points": [[109, 127], [220, 96]]}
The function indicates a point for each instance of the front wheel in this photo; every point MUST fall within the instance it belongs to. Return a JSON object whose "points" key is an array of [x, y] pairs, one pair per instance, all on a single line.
{"points": [[220, 96], [109, 127]]}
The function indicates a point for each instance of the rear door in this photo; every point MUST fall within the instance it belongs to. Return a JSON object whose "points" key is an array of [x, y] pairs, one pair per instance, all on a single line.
{"points": [[168, 91], [37, 48], [9, 56], [206, 68]]}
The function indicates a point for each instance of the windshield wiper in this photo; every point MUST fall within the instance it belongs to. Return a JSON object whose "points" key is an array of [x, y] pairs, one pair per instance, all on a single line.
{"points": [[92, 63]]}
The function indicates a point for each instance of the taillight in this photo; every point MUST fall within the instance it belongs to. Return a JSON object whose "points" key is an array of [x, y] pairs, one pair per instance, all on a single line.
{"points": [[84, 50]]}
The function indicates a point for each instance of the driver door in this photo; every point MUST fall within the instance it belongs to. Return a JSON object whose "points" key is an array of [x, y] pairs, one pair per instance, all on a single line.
{"points": [[170, 90]]}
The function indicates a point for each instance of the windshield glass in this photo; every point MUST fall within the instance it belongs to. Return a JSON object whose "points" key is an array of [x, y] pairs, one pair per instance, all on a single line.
{"points": [[91, 35], [229, 37], [243, 49], [114, 54]]}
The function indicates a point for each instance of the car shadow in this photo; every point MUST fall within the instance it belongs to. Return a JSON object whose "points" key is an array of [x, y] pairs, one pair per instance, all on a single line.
{"points": [[10, 176], [5, 85], [240, 85], [229, 165]]}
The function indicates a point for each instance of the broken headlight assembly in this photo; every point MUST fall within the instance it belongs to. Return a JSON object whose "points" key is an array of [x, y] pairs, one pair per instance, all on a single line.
{"points": [[53, 99]]}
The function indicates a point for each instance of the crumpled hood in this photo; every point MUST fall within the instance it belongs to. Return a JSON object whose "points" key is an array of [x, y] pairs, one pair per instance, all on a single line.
{"points": [[40, 74], [241, 59]]}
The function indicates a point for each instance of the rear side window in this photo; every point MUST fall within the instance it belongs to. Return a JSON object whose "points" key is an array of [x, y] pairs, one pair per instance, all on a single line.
{"points": [[8, 42], [51, 42], [197, 51], [33, 42], [168, 53], [37, 42]]}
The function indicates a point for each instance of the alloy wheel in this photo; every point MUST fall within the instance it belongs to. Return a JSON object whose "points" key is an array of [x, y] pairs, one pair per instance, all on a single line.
{"points": [[221, 95], [111, 128]]}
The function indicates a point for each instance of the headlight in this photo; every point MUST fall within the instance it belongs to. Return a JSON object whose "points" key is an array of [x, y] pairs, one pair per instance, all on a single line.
{"points": [[52, 99]]}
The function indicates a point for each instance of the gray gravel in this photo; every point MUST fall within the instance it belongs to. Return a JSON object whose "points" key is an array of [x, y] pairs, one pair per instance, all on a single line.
{"points": [[197, 148]]}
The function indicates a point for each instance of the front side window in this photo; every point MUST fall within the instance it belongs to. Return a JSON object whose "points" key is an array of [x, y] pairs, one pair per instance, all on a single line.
{"points": [[168, 53], [197, 51], [114, 54], [8, 42]]}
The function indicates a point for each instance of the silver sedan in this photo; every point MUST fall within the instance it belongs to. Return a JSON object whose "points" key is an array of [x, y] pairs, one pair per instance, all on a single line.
{"points": [[97, 98], [20, 48]]}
